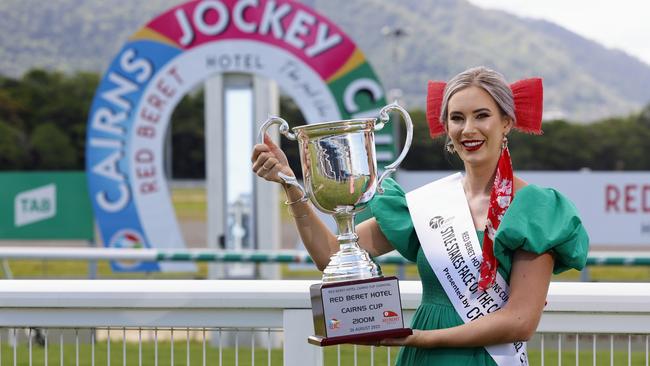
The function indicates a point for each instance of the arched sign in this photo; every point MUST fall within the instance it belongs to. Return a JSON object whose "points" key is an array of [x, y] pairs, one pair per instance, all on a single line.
{"points": [[310, 58]]}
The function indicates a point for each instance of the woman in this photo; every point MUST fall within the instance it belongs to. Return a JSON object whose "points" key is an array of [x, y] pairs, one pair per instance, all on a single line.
{"points": [[528, 237]]}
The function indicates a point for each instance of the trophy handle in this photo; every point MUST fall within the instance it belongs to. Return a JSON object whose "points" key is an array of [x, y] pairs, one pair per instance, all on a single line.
{"points": [[383, 118], [284, 129]]}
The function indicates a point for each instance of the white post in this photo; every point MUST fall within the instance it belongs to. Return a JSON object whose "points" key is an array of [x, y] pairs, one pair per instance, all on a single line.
{"points": [[266, 102], [214, 166], [298, 325], [237, 176]]}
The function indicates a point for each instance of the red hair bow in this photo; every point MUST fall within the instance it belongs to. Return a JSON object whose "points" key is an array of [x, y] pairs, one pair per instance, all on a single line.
{"points": [[528, 96]]}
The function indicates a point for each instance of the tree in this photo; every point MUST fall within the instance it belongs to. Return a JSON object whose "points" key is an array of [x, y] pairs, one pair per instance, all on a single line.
{"points": [[52, 148], [188, 137], [425, 153], [13, 147], [43, 118]]}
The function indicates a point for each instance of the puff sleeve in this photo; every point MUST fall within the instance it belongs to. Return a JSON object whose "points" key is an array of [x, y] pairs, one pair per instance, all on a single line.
{"points": [[541, 220], [392, 215]]}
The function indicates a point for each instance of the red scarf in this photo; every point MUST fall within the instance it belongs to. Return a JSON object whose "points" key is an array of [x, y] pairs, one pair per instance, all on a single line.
{"points": [[502, 194], [528, 98]]}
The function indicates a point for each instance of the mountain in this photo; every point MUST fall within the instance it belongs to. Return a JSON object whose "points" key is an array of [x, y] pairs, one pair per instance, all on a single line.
{"points": [[584, 81]]}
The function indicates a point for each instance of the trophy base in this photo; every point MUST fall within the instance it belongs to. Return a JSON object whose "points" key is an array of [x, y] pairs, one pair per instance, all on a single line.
{"points": [[360, 311], [361, 338], [351, 263]]}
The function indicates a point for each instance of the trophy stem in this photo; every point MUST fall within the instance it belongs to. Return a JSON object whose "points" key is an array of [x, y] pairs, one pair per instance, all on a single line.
{"points": [[350, 262], [345, 224]]}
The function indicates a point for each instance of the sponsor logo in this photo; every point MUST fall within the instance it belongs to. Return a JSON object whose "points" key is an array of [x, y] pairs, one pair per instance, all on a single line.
{"points": [[436, 222], [390, 316], [333, 323], [127, 239], [35, 205]]}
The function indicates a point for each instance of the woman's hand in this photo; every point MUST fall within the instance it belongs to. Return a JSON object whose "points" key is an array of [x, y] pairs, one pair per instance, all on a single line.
{"points": [[268, 160], [417, 339]]}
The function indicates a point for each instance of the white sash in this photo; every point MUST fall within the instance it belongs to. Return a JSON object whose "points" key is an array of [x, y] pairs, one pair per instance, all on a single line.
{"points": [[444, 226]]}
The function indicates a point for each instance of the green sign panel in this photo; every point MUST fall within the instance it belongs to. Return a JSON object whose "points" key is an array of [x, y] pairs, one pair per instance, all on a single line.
{"points": [[45, 205]]}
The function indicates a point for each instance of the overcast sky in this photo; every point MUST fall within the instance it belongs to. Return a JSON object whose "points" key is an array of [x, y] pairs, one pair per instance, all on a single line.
{"points": [[621, 24]]}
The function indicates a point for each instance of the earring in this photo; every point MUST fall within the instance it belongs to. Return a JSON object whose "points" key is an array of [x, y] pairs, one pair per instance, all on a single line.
{"points": [[504, 142], [450, 147]]}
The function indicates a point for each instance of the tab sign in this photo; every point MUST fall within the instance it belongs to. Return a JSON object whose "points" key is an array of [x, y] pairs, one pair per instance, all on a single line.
{"points": [[35, 205]]}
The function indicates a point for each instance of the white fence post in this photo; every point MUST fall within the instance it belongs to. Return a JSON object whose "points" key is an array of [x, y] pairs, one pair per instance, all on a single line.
{"points": [[298, 325]]}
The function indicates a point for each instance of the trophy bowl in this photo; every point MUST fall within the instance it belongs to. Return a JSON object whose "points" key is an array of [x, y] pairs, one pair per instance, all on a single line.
{"points": [[338, 164], [340, 175], [339, 169]]}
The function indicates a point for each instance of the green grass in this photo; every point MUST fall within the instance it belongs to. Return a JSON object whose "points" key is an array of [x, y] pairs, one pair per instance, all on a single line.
{"points": [[596, 273], [243, 355], [228, 355], [585, 358], [190, 203], [619, 273], [410, 272], [79, 269], [24, 269]]}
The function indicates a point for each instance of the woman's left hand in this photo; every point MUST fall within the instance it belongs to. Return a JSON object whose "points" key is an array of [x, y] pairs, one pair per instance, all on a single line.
{"points": [[414, 340]]}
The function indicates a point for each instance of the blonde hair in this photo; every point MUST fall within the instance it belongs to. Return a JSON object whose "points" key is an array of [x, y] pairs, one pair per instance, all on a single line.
{"points": [[489, 80]]}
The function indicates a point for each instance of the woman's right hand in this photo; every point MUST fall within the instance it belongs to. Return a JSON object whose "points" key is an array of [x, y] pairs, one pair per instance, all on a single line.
{"points": [[268, 160]]}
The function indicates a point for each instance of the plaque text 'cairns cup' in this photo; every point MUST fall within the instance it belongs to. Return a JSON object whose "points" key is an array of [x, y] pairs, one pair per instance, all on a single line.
{"points": [[354, 303]]}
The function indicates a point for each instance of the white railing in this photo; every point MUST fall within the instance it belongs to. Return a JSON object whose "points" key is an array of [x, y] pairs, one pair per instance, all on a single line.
{"points": [[619, 311], [619, 258]]}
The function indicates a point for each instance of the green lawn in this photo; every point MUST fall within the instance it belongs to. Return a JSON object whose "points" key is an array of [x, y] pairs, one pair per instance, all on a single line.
{"points": [[244, 358], [597, 273], [190, 203], [228, 355], [25, 269], [79, 269], [586, 358]]}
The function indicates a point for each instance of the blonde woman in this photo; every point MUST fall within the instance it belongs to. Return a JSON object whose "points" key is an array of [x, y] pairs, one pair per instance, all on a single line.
{"points": [[526, 232]]}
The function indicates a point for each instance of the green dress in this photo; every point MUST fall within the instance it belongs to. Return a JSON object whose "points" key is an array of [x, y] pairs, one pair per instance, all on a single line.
{"points": [[538, 220]]}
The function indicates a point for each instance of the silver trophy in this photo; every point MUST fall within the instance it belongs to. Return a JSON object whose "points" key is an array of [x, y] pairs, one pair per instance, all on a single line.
{"points": [[339, 169]]}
